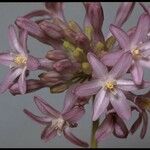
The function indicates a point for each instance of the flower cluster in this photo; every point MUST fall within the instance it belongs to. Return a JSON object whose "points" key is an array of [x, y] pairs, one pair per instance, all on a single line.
{"points": [[86, 65]]}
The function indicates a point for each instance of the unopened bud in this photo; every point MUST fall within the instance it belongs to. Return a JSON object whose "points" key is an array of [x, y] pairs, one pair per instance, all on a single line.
{"points": [[61, 87], [74, 26], [89, 32], [55, 55], [110, 42], [79, 54], [86, 68]]}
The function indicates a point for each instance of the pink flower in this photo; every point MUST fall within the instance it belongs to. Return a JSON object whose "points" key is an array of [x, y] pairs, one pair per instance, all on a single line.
{"points": [[18, 60], [108, 86], [57, 123], [134, 45]]}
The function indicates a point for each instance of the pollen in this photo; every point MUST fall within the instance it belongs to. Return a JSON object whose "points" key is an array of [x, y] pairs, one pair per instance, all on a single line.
{"points": [[20, 60], [110, 85]]}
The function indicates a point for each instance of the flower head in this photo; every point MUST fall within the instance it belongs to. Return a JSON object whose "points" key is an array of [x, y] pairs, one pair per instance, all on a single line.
{"points": [[108, 86], [18, 60], [57, 123]]}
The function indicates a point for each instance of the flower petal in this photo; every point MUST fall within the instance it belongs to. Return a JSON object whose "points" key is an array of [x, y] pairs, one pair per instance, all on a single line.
{"points": [[145, 125], [137, 73], [10, 77], [126, 85], [105, 129], [100, 103], [74, 114], [122, 66], [120, 104], [121, 36], [70, 99], [98, 67], [88, 88], [13, 40], [22, 81], [48, 133], [111, 58], [73, 139], [120, 129], [45, 108], [136, 124], [41, 120], [141, 30], [124, 11]]}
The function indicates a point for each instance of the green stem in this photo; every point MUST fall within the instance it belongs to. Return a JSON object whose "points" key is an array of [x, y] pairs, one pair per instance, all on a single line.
{"points": [[94, 128]]}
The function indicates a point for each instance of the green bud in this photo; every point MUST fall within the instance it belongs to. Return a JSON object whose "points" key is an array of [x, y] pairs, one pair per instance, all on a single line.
{"points": [[58, 88], [68, 46], [74, 26], [88, 32], [86, 68], [110, 42]]}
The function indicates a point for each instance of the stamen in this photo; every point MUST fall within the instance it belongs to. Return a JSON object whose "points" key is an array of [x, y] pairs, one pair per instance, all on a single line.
{"points": [[20, 60], [136, 53], [110, 85]]}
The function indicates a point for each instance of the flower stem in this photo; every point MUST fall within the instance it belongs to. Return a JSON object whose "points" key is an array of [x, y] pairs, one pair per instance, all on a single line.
{"points": [[94, 128]]}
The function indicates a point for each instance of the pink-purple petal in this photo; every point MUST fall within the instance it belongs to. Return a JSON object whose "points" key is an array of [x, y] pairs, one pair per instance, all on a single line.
{"points": [[121, 105], [9, 79], [100, 103], [122, 66], [45, 108], [137, 73], [48, 133], [111, 58], [22, 81], [105, 129], [99, 69], [13, 40], [88, 88], [73, 139], [141, 30], [41, 120], [121, 36]]}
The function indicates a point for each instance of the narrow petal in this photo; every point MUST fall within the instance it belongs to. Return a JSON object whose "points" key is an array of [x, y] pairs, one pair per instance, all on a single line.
{"points": [[99, 69], [41, 120], [126, 85], [23, 35], [70, 99], [122, 66], [100, 103], [121, 36], [88, 88], [6, 56], [13, 40], [120, 130], [136, 124], [120, 104], [48, 133], [73, 139], [137, 73], [111, 58], [142, 29], [22, 81], [10, 77], [105, 129], [45, 108], [74, 114], [124, 11], [145, 125]]}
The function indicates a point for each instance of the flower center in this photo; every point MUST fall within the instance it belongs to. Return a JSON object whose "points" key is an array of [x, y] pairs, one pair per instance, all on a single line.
{"points": [[136, 53], [20, 60], [110, 85], [58, 124]]}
